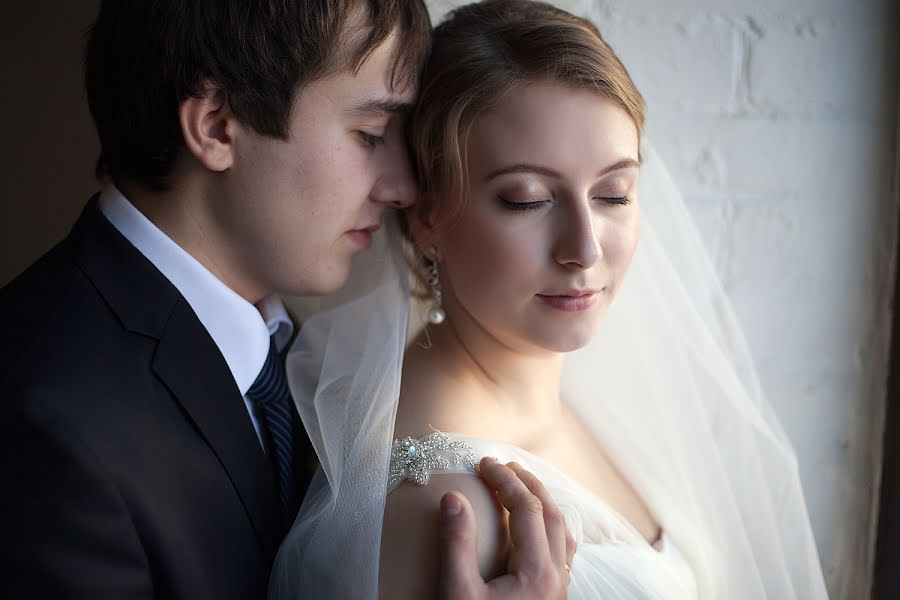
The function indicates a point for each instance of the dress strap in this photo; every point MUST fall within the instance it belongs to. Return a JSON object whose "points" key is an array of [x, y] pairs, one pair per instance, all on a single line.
{"points": [[415, 459]]}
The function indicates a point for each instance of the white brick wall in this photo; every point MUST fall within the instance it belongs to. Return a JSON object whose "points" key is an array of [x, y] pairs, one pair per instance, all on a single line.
{"points": [[778, 120]]}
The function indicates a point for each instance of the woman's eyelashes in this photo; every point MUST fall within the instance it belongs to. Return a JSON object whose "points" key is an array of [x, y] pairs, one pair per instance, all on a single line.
{"points": [[621, 200], [527, 205]]}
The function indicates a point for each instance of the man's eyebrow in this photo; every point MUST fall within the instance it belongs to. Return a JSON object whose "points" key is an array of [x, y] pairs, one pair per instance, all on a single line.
{"points": [[626, 163], [381, 106]]}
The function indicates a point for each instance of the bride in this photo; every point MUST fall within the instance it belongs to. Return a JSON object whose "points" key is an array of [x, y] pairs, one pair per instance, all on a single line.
{"points": [[650, 433]]}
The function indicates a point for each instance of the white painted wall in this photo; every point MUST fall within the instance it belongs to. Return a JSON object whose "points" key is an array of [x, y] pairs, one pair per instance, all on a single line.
{"points": [[778, 120]]}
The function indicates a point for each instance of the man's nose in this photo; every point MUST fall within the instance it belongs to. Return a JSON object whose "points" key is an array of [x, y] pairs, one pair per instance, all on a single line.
{"points": [[396, 187], [396, 194]]}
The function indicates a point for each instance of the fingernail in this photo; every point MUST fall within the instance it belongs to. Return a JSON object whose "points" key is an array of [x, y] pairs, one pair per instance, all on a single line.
{"points": [[487, 459], [450, 505]]}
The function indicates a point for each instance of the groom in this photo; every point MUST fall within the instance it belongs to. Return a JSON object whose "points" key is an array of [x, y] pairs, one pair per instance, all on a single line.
{"points": [[147, 438]]}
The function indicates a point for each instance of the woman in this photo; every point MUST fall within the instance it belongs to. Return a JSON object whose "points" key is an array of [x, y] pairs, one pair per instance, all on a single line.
{"points": [[650, 433]]}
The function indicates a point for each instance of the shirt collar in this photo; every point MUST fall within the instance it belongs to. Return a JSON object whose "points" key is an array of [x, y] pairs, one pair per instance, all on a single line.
{"points": [[239, 329]]}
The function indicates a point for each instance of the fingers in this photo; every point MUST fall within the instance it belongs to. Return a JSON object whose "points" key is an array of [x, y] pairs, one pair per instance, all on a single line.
{"points": [[459, 563], [571, 546], [560, 541], [526, 516]]}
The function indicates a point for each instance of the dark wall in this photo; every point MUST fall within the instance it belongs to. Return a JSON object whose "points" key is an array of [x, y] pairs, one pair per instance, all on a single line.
{"points": [[886, 584], [47, 141]]}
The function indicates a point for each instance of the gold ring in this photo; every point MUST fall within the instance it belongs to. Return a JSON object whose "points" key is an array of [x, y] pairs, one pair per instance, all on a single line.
{"points": [[566, 565]]}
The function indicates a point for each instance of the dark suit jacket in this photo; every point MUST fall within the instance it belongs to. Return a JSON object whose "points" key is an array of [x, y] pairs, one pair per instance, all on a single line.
{"points": [[130, 466]]}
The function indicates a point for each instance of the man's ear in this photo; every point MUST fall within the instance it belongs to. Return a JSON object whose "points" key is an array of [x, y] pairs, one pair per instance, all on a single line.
{"points": [[208, 127]]}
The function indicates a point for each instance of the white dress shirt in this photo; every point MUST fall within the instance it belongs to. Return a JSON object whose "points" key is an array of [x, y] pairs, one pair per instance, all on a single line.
{"points": [[239, 329]]}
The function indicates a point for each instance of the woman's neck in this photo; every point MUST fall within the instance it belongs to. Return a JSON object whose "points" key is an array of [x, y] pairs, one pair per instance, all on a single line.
{"points": [[522, 386]]}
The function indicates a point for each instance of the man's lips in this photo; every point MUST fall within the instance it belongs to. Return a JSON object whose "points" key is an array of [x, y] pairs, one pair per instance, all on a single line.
{"points": [[363, 237], [370, 229]]}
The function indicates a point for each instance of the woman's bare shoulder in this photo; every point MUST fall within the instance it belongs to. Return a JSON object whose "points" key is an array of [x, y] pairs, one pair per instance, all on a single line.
{"points": [[409, 542], [431, 398]]}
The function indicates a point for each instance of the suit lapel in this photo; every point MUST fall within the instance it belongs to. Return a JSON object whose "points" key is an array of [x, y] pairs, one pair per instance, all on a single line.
{"points": [[187, 361], [305, 462], [191, 366]]}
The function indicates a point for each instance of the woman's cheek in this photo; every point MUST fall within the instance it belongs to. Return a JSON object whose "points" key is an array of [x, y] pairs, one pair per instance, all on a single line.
{"points": [[489, 267], [619, 249]]}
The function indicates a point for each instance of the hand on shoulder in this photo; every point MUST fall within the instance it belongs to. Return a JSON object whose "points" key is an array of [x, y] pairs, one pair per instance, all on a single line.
{"points": [[454, 538], [410, 541]]}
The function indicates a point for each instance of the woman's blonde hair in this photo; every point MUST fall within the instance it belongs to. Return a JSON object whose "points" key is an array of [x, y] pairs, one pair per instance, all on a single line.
{"points": [[482, 52]]}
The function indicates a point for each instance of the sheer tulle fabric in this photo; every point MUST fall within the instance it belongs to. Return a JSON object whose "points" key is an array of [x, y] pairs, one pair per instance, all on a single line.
{"points": [[667, 388], [613, 559]]}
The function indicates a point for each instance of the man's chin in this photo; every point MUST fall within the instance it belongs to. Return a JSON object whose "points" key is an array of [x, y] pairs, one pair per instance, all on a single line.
{"points": [[319, 284]]}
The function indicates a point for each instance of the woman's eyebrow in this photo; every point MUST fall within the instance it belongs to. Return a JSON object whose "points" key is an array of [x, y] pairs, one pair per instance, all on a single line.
{"points": [[625, 163]]}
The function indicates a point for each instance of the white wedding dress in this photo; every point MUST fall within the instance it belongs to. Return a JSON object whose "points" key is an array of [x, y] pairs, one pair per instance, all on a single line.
{"points": [[607, 564], [667, 389]]}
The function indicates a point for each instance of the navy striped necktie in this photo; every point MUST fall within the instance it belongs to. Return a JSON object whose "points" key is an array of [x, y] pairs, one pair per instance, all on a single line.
{"points": [[271, 400]]}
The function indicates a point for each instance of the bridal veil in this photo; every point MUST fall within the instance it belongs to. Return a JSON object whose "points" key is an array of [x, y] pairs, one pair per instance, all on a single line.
{"points": [[667, 387]]}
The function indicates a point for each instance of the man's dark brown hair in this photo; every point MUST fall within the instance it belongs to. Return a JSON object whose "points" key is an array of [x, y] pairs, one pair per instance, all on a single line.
{"points": [[144, 57]]}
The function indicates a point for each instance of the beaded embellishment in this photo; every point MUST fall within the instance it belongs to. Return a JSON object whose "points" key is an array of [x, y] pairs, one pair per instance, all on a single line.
{"points": [[413, 459]]}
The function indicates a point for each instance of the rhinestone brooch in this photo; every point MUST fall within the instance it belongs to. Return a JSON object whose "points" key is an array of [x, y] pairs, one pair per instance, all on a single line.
{"points": [[413, 459]]}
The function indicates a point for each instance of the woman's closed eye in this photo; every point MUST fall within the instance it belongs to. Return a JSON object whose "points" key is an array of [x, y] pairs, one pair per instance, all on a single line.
{"points": [[620, 200], [525, 205]]}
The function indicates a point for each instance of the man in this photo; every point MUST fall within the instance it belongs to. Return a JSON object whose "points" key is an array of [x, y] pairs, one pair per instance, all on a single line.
{"points": [[148, 440]]}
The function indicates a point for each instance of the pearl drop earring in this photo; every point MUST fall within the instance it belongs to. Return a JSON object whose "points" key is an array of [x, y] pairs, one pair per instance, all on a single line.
{"points": [[436, 313]]}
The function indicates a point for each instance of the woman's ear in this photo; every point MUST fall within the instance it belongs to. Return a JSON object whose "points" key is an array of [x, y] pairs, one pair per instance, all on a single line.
{"points": [[208, 127], [422, 231]]}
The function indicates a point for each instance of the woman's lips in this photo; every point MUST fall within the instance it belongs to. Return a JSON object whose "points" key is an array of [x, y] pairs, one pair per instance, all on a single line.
{"points": [[570, 301]]}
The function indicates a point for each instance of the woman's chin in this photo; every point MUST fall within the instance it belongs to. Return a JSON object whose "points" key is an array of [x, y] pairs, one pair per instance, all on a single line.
{"points": [[563, 342], [569, 335]]}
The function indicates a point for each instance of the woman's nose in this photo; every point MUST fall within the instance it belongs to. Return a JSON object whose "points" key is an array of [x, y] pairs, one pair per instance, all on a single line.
{"points": [[578, 244]]}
